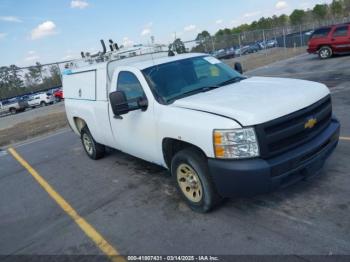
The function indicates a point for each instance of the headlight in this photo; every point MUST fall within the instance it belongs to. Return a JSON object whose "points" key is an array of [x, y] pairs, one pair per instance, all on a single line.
{"points": [[236, 143]]}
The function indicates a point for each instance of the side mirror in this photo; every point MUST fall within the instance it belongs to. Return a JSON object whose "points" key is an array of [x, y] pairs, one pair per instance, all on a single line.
{"points": [[238, 67], [119, 103]]}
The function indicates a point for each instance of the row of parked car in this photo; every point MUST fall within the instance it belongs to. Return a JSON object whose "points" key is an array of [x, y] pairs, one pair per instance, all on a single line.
{"points": [[244, 50], [20, 104]]}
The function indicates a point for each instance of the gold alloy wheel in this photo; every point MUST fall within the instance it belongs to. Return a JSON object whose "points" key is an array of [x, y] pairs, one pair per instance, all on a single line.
{"points": [[189, 183], [88, 144]]}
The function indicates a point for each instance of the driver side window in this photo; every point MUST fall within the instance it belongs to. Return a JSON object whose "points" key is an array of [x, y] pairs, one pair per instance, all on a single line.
{"points": [[131, 86], [129, 83]]}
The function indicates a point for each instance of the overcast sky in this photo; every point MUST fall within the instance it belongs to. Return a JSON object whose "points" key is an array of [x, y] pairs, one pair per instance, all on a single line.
{"points": [[56, 30]]}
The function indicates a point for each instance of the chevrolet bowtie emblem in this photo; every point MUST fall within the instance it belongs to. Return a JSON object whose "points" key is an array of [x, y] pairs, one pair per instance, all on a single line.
{"points": [[310, 123]]}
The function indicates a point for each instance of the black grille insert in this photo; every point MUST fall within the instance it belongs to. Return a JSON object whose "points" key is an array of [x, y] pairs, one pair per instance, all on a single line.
{"points": [[287, 132]]}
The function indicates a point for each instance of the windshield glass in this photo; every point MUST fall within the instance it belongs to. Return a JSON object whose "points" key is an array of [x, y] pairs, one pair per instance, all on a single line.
{"points": [[183, 78]]}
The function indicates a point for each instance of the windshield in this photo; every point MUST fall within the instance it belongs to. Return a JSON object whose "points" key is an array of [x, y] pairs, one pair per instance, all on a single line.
{"points": [[185, 77]]}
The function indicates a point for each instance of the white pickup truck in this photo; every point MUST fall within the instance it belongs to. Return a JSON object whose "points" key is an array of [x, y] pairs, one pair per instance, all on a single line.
{"points": [[219, 133]]}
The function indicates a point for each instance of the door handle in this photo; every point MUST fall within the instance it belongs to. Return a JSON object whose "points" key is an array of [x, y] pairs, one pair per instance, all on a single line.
{"points": [[79, 92]]}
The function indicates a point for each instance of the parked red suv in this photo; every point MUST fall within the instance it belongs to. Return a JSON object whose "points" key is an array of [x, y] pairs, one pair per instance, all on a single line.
{"points": [[330, 40], [58, 95]]}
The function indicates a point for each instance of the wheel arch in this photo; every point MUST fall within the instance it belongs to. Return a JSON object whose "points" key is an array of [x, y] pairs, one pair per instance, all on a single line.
{"points": [[79, 123], [170, 146], [323, 45]]}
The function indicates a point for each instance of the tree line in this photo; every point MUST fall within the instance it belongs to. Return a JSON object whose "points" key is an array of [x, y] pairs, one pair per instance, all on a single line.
{"points": [[223, 37], [16, 82], [320, 12]]}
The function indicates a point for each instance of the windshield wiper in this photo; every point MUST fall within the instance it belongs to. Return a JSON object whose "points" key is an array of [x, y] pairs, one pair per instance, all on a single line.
{"points": [[232, 81], [193, 92]]}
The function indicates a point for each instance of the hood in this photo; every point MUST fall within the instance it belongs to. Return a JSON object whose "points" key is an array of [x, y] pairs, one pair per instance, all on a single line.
{"points": [[257, 100]]}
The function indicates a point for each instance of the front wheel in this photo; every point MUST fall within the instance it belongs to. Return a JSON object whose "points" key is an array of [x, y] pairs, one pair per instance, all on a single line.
{"points": [[93, 149], [190, 171], [325, 52]]}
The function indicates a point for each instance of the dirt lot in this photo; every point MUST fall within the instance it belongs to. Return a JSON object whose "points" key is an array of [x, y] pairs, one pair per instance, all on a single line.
{"points": [[32, 123], [135, 207], [265, 57], [36, 127]]}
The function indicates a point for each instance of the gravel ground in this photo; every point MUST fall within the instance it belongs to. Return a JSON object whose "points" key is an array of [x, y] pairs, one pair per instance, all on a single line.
{"points": [[265, 57], [32, 123], [8, 121]]}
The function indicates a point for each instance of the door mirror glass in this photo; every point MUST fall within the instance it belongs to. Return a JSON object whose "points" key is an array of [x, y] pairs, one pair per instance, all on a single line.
{"points": [[239, 68], [119, 103]]}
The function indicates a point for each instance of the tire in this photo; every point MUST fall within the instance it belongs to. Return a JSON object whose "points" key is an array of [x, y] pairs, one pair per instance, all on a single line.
{"points": [[93, 149], [190, 172], [325, 52], [42, 104], [13, 111]]}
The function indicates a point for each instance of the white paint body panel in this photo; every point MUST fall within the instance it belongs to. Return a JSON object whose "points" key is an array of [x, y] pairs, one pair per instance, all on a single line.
{"points": [[192, 119], [135, 134], [81, 85], [257, 100]]}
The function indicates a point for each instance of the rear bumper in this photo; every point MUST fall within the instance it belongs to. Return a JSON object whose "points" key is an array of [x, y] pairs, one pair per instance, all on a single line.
{"points": [[255, 176]]}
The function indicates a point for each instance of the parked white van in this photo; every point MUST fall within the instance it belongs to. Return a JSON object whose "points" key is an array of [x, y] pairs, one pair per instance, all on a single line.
{"points": [[219, 133]]}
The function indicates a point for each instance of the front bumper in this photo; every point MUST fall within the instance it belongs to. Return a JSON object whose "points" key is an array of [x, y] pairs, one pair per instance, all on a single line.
{"points": [[255, 176], [312, 51]]}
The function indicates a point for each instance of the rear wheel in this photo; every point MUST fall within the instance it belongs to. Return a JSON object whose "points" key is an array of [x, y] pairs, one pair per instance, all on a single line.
{"points": [[13, 111], [93, 149], [190, 171], [42, 103], [325, 52]]}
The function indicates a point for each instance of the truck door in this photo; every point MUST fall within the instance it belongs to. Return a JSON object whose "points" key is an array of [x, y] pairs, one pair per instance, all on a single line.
{"points": [[135, 132], [341, 39]]}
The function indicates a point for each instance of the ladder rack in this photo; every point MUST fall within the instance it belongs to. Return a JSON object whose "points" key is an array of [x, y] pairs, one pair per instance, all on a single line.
{"points": [[124, 53]]}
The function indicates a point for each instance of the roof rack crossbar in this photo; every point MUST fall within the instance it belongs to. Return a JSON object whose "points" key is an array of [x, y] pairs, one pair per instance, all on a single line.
{"points": [[115, 56]]}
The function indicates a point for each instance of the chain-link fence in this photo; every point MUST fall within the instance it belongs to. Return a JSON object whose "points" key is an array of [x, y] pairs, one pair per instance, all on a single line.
{"points": [[259, 47], [287, 37], [17, 82]]}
